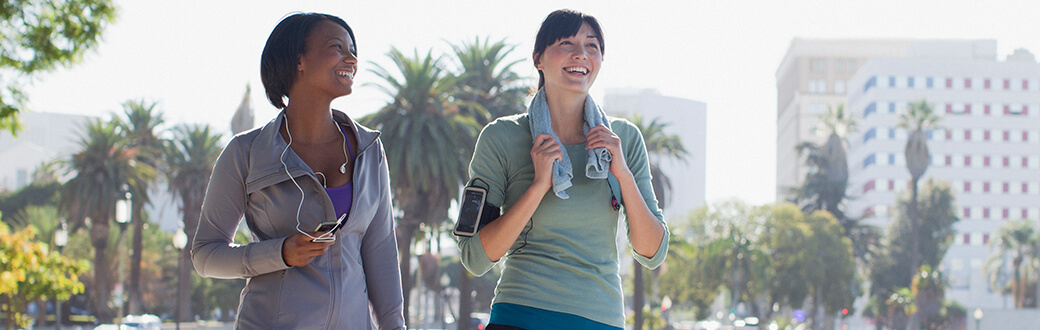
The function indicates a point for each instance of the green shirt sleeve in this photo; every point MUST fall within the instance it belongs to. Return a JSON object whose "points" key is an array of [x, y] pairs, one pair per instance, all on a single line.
{"points": [[489, 165], [638, 163]]}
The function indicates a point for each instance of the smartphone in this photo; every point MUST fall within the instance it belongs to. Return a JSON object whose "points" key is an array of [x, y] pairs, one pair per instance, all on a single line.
{"points": [[470, 211], [331, 227]]}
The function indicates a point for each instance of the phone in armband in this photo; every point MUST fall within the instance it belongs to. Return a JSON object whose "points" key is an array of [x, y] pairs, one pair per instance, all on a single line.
{"points": [[470, 211]]}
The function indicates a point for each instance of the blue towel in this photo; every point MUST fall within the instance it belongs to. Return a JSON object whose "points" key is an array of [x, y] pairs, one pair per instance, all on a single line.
{"points": [[597, 165]]}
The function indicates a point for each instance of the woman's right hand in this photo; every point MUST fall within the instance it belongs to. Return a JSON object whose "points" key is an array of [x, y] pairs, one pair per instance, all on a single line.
{"points": [[543, 153], [299, 250]]}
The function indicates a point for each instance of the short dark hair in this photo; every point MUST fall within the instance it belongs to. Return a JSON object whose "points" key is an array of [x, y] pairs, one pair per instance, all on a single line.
{"points": [[283, 49], [560, 24]]}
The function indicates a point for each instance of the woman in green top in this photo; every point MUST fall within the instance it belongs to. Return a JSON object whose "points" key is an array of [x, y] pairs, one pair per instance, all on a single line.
{"points": [[562, 265]]}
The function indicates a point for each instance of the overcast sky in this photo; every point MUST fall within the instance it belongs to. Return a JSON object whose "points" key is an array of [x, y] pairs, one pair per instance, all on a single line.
{"points": [[196, 57]]}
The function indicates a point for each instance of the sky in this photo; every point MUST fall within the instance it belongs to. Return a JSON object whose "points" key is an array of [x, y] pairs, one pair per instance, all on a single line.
{"points": [[195, 57]]}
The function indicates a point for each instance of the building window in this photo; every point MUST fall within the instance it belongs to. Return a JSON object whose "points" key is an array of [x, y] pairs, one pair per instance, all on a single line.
{"points": [[1025, 162], [985, 161], [949, 160], [870, 109], [949, 135], [1007, 161], [870, 160], [967, 135], [1025, 188], [869, 135], [949, 83], [892, 159], [870, 83], [817, 86], [1007, 84], [1025, 84], [891, 81], [985, 187], [985, 137], [967, 186], [891, 185], [892, 134], [818, 65], [967, 83], [869, 186], [1007, 213], [967, 214], [967, 109], [949, 108], [891, 107], [985, 213], [930, 82], [986, 83], [1007, 137], [839, 87], [986, 110], [1007, 187]]}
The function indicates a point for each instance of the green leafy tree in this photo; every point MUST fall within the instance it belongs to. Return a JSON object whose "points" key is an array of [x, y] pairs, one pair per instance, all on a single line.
{"points": [[696, 262], [190, 156], [141, 127], [659, 146], [888, 270], [32, 272], [37, 37], [428, 146], [828, 177], [918, 119], [486, 85], [103, 165]]}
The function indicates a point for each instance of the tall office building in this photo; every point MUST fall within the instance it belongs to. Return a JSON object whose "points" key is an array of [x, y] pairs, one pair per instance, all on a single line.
{"points": [[988, 147], [814, 75], [683, 117]]}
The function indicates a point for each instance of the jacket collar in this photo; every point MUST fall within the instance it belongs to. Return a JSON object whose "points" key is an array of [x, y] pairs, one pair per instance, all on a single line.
{"points": [[266, 152]]}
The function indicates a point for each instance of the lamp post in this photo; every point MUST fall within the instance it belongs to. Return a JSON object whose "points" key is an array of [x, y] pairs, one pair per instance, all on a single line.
{"points": [[123, 216], [61, 238], [180, 240], [977, 314]]}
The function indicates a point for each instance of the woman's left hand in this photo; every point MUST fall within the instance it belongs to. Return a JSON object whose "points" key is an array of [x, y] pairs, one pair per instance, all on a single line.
{"points": [[602, 137]]}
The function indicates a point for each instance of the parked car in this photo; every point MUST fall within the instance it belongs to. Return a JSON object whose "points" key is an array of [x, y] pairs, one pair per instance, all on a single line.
{"points": [[141, 322]]}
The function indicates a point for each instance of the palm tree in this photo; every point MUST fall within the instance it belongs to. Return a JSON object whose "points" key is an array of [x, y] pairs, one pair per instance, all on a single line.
{"points": [[659, 145], [140, 126], [487, 88], [428, 146], [486, 83], [103, 165], [189, 158], [1017, 238], [918, 119]]}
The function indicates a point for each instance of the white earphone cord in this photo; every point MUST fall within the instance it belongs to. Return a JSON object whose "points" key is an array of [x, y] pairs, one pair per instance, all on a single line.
{"points": [[302, 194]]}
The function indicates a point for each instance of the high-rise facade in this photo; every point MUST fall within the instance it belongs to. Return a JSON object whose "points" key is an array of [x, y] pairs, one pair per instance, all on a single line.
{"points": [[684, 118], [987, 147]]}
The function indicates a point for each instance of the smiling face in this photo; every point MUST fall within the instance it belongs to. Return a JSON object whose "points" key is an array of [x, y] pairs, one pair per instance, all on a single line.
{"points": [[328, 63], [571, 63]]}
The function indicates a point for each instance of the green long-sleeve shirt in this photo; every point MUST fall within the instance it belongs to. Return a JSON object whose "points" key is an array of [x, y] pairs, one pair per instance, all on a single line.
{"points": [[566, 257]]}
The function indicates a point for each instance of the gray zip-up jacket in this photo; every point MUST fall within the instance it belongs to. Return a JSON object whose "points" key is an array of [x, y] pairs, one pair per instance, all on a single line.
{"points": [[336, 289]]}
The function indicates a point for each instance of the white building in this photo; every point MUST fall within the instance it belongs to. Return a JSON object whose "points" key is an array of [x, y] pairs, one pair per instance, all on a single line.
{"points": [[44, 137], [814, 74], [988, 147], [683, 117]]}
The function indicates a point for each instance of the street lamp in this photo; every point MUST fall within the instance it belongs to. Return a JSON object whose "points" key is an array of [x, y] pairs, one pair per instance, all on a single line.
{"points": [[123, 217], [180, 240], [978, 318], [61, 238]]}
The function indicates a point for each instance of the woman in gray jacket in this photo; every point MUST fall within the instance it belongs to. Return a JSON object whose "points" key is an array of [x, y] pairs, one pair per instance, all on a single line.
{"points": [[308, 166]]}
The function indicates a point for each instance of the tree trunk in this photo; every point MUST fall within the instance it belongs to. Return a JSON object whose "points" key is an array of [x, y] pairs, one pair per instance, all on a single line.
{"points": [[915, 239], [102, 290], [134, 290], [638, 295], [465, 299], [405, 231], [184, 286]]}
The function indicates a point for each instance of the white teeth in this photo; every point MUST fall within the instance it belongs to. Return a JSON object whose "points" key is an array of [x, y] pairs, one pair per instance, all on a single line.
{"points": [[345, 74], [577, 69]]}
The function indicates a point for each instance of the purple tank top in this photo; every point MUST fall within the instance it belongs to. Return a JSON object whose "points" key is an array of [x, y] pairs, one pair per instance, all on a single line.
{"points": [[343, 196]]}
